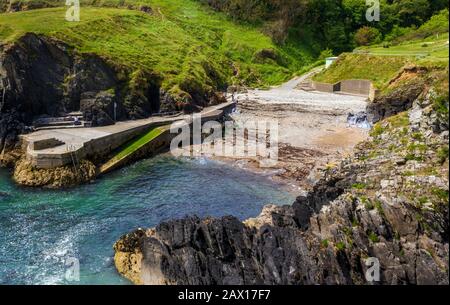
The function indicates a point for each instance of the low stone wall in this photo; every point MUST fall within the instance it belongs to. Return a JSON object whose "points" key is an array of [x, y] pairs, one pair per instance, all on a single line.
{"points": [[325, 87], [351, 86], [356, 86], [45, 143], [47, 161]]}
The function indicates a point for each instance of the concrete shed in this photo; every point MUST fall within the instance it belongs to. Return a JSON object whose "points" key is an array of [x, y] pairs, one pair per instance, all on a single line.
{"points": [[329, 61]]}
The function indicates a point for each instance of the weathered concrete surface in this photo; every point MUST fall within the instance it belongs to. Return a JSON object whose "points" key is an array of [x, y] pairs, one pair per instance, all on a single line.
{"points": [[356, 86], [150, 147], [325, 87], [45, 143], [350, 86], [98, 142]]}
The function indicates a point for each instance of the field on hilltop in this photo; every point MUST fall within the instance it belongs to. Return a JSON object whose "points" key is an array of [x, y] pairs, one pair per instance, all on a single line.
{"points": [[381, 63]]}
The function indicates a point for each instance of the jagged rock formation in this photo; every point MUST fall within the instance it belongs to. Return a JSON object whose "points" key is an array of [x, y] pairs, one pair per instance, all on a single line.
{"points": [[389, 201], [63, 176]]}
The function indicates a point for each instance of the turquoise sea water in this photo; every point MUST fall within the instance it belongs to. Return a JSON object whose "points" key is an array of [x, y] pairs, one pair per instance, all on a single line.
{"points": [[42, 230]]}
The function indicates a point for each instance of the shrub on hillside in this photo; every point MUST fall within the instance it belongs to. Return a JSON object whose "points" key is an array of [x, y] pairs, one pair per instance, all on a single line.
{"points": [[367, 36], [325, 54], [398, 31], [437, 24]]}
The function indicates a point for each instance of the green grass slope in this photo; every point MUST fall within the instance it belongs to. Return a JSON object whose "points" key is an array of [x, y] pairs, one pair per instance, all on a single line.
{"points": [[131, 147], [380, 64], [187, 44], [378, 69], [432, 49]]}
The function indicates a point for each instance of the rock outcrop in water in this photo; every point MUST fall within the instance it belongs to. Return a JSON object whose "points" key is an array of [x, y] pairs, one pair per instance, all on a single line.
{"points": [[63, 176], [389, 202]]}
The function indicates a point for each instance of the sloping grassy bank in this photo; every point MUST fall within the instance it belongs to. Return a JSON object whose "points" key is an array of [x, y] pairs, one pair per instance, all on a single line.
{"points": [[381, 63], [378, 69], [187, 44], [132, 147]]}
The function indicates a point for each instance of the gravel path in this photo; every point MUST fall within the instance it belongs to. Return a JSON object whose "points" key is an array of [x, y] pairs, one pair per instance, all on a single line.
{"points": [[305, 101]]}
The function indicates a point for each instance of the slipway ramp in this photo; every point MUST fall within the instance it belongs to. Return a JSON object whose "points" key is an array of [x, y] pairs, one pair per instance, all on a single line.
{"points": [[149, 143]]}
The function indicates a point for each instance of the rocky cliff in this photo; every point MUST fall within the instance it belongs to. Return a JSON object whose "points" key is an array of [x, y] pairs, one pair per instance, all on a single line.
{"points": [[399, 94], [388, 202], [42, 76]]}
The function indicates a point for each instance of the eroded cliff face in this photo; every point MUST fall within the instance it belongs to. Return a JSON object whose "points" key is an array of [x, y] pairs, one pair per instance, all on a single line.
{"points": [[389, 201], [402, 91]]}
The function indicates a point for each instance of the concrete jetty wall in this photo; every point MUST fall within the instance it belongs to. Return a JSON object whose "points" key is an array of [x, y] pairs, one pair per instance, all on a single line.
{"points": [[94, 149], [351, 86], [159, 143], [99, 147], [149, 149]]}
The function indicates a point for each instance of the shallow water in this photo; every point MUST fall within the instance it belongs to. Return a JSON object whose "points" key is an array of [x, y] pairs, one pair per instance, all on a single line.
{"points": [[42, 230]]}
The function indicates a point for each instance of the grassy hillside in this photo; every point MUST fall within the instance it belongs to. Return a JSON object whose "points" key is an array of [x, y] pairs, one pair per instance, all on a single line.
{"points": [[432, 49], [378, 69], [186, 43], [380, 63]]}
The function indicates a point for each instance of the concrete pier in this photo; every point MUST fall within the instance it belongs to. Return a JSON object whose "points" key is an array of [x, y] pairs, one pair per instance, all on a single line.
{"points": [[58, 147]]}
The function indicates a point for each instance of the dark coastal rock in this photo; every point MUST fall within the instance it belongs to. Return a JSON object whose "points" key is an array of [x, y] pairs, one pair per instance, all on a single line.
{"points": [[11, 126], [371, 208], [221, 251], [167, 102], [98, 108], [326, 190], [42, 76], [89, 74], [32, 75]]}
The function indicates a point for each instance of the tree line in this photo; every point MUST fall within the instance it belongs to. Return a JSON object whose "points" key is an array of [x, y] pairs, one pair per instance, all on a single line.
{"points": [[337, 24]]}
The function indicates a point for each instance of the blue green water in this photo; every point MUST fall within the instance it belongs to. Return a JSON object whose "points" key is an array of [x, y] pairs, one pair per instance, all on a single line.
{"points": [[41, 229]]}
